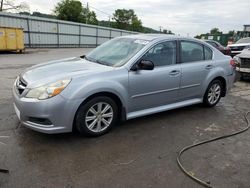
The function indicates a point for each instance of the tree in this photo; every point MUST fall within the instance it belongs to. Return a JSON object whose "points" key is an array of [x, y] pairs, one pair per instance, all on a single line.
{"points": [[25, 13], [232, 33], [136, 24], [127, 19], [10, 5], [90, 16], [167, 32], [72, 10], [39, 14], [69, 10], [197, 36], [215, 31]]}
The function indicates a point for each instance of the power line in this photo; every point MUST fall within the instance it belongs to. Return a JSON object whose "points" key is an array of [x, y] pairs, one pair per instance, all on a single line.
{"points": [[100, 11], [97, 9]]}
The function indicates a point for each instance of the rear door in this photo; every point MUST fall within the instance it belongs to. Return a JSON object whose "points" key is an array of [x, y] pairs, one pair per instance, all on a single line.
{"points": [[196, 63]]}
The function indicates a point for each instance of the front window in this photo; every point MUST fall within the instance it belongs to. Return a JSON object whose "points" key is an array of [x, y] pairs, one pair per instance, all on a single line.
{"points": [[162, 54], [116, 52]]}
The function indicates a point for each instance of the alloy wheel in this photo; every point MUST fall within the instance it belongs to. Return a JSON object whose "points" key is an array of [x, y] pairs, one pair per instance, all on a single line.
{"points": [[99, 117], [214, 93]]}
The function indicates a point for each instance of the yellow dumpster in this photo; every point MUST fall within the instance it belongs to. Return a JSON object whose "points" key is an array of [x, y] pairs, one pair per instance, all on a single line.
{"points": [[11, 39]]}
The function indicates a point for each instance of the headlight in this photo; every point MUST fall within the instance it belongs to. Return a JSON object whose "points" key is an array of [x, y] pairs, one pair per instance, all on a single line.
{"points": [[49, 90], [237, 60]]}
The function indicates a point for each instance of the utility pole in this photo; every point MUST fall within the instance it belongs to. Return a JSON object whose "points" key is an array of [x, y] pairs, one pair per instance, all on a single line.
{"points": [[160, 28], [1, 7], [109, 21], [87, 12]]}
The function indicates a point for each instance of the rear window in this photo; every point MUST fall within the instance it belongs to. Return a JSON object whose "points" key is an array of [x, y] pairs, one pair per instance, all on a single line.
{"points": [[192, 51]]}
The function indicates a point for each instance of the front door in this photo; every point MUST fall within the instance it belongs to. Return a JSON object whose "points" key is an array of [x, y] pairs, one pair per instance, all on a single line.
{"points": [[157, 87]]}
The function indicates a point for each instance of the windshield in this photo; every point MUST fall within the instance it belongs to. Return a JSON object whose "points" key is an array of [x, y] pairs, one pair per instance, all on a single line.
{"points": [[116, 52], [244, 40]]}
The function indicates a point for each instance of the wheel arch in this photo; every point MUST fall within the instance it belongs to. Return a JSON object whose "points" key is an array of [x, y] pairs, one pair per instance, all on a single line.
{"points": [[224, 84], [112, 95]]}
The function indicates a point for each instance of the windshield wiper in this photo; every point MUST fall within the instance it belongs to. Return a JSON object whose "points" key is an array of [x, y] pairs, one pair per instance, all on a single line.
{"points": [[96, 61], [102, 62], [90, 59]]}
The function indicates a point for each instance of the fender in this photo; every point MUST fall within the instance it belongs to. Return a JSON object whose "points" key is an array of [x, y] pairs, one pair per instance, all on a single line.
{"points": [[217, 72], [93, 87]]}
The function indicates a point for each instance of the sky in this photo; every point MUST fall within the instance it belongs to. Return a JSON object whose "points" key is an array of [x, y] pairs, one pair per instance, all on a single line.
{"points": [[183, 17]]}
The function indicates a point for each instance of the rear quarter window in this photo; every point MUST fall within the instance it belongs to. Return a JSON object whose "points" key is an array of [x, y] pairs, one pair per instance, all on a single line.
{"points": [[208, 53]]}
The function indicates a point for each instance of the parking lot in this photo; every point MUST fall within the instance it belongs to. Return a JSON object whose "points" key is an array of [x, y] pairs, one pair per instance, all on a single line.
{"points": [[138, 153]]}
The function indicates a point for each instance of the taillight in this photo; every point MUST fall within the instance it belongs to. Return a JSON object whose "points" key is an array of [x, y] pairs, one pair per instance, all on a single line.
{"points": [[232, 63]]}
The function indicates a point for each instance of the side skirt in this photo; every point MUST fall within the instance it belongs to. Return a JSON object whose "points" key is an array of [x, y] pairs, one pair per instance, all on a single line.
{"points": [[149, 111]]}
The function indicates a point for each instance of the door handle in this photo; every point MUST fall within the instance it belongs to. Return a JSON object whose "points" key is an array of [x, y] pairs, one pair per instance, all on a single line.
{"points": [[174, 72], [208, 67]]}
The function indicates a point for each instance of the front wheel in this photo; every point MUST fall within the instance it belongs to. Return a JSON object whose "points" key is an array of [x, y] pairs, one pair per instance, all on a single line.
{"points": [[213, 93], [97, 116]]}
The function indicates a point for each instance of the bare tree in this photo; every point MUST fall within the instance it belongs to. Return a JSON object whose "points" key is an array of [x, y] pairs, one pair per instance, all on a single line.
{"points": [[10, 5]]}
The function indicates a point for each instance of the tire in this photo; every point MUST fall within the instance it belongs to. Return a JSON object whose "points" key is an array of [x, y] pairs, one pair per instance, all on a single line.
{"points": [[213, 93], [91, 121]]}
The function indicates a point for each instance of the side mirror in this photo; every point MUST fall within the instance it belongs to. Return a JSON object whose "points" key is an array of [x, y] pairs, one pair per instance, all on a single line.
{"points": [[143, 65]]}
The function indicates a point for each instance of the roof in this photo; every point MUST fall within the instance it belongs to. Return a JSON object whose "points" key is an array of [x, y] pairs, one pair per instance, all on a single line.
{"points": [[151, 37]]}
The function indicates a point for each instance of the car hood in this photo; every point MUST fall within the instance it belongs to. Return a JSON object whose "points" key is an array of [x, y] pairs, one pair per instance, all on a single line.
{"points": [[61, 69], [240, 44], [245, 53]]}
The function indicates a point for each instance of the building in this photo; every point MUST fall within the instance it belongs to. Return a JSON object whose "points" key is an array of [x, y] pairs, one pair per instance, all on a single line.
{"points": [[246, 28], [244, 33]]}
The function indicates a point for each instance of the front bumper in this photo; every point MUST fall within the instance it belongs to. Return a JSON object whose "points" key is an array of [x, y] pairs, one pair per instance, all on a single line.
{"points": [[243, 70], [57, 110]]}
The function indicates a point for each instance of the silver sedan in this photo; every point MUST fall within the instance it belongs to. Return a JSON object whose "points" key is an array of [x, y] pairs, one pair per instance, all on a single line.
{"points": [[124, 78]]}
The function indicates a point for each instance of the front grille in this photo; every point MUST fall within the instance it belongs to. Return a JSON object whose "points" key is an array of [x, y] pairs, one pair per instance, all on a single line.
{"points": [[245, 63], [21, 84]]}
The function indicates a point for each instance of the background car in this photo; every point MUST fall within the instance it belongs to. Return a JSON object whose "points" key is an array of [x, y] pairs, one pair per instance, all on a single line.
{"points": [[239, 46], [243, 63], [223, 49]]}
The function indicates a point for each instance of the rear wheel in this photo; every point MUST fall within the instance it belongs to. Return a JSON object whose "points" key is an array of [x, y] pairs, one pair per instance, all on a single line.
{"points": [[213, 93], [97, 116]]}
